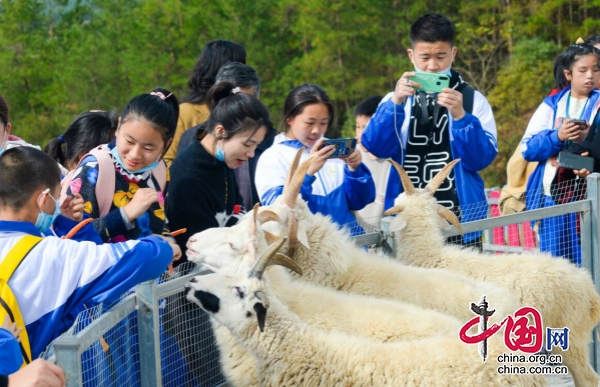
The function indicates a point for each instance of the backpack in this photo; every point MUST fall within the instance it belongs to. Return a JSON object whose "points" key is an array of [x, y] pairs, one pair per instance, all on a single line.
{"points": [[8, 301], [105, 185], [468, 93]]}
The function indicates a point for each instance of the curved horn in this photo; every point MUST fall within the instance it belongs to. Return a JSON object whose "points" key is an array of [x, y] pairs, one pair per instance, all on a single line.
{"points": [[394, 210], [292, 170], [292, 234], [291, 194], [263, 262], [450, 217], [285, 261], [268, 215], [407, 184], [439, 178]]}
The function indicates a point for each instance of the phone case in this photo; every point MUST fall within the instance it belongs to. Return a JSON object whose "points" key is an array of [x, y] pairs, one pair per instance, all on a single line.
{"points": [[573, 161], [343, 146], [430, 82]]}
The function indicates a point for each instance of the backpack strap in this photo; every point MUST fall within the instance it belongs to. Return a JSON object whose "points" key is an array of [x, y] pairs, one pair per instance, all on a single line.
{"points": [[468, 93], [105, 185], [8, 301], [64, 185], [160, 174]]}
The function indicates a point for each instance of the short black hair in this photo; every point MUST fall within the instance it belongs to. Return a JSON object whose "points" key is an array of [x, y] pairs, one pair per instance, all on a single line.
{"points": [[160, 108], [567, 59], [432, 28], [24, 170], [240, 75], [368, 107]]}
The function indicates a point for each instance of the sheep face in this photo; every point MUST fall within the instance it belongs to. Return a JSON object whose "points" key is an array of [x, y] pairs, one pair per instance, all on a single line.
{"points": [[235, 302], [420, 201], [227, 249]]}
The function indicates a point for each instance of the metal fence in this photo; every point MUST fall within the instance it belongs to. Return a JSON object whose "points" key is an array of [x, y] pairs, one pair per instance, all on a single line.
{"points": [[155, 337]]}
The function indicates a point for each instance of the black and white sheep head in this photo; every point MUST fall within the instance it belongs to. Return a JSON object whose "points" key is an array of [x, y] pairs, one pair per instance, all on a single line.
{"points": [[421, 201], [233, 301]]}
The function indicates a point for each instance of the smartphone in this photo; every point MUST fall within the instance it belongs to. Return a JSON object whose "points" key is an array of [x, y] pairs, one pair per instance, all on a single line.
{"points": [[582, 123], [343, 146], [574, 161], [431, 82]]}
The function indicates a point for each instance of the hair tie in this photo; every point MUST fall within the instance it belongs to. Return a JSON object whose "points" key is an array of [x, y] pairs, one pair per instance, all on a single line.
{"points": [[96, 111], [60, 139], [235, 90], [161, 95], [580, 40]]}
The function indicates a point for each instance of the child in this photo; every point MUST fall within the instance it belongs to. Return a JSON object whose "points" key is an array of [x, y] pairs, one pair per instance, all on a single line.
{"points": [[145, 131], [549, 132], [332, 187], [194, 107], [370, 216], [424, 132], [202, 194], [52, 278], [87, 131]]}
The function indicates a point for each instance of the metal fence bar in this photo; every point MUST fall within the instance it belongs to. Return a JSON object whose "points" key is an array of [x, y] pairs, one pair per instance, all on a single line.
{"points": [[501, 221], [372, 238], [148, 335], [68, 357], [593, 194], [174, 286]]}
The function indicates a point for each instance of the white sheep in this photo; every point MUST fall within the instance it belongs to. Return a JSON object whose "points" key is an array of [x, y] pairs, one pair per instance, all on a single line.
{"points": [[290, 352], [381, 320], [328, 257], [564, 294]]}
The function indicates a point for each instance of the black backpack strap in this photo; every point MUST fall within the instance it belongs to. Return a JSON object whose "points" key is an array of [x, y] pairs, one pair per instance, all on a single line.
{"points": [[468, 93]]}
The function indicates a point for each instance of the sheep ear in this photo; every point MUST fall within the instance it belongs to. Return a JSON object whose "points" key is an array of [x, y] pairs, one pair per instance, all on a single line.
{"points": [[274, 228], [261, 315], [303, 236], [398, 223]]}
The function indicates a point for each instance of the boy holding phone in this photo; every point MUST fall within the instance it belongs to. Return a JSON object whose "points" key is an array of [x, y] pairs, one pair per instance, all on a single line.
{"points": [[456, 123]]}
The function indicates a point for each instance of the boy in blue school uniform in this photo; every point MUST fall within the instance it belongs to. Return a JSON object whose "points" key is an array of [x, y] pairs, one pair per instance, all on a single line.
{"points": [[48, 281], [424, 132]]}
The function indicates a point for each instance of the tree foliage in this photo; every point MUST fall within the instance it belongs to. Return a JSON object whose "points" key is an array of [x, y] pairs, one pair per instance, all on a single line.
{"points": [[62, 57]]}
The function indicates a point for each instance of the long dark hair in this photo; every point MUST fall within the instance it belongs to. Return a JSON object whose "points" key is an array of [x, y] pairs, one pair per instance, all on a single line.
{"points": [[214, 55], [160, 108], [87, 131], [299, 97]]}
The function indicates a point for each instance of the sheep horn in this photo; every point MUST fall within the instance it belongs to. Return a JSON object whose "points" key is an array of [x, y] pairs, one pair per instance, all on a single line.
{"points": [[263, 262], [291, 194], [439, 178], [292, 234], [268, 215], [292, 170], [450, 217], [409, 188], [252, 228], [394, 210], [285, 261]]}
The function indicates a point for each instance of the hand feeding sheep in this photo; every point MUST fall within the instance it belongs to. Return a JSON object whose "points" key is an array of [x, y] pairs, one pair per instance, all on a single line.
{"points": [[290, 352], [563, 293]]}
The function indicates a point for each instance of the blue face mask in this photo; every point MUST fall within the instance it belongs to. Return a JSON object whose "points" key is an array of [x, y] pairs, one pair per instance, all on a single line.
{"points": [[115, 154], [220, 153], [447, 72], [44, 221]]}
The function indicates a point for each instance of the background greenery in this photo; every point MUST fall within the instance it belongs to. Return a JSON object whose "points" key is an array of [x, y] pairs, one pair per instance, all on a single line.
{"points": [[59, 58]]}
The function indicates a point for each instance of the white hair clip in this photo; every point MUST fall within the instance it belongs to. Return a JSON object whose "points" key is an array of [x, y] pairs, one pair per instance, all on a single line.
{"points": [[235, 90]]}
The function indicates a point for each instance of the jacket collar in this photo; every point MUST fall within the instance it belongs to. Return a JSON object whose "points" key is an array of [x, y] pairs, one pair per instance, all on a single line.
{"points": [[25, 227]]}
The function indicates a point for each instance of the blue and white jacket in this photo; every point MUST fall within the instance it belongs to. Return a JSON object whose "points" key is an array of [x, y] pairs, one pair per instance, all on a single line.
{"points": [[59, 276], [541, 142], [335, 190], [472, 138]]}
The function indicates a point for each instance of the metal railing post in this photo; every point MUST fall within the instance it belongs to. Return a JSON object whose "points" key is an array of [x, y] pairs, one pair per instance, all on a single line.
{"points": [[593, 240], [68, 358], [148, 335], [389, 244]]}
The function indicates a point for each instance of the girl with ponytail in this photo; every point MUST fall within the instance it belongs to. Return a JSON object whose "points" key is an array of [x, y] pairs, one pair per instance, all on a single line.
{"points": [[87, 131], [133, 166]]}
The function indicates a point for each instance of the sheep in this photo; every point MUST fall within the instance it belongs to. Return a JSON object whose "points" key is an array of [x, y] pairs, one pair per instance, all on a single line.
{"points": [[328, 257], [563, 293], [329, 310], [290, 352]]}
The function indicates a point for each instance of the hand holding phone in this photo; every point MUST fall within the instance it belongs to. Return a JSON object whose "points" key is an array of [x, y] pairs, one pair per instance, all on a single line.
{"points": [[431, 82], [582, 124], [343, 147], [569, 130]]}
